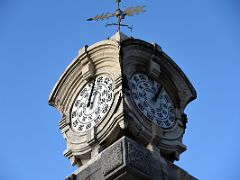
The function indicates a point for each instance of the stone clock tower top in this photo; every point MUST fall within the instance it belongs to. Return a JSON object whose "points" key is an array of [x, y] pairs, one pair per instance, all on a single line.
{"points": [[122, 102]]}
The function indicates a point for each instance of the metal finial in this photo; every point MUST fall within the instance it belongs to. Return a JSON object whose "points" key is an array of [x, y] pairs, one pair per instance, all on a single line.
{"points": [[130, 11]]}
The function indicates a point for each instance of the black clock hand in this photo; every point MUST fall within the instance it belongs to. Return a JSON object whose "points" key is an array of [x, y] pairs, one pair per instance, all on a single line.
{"points": [[157, 94], [91, 93]]}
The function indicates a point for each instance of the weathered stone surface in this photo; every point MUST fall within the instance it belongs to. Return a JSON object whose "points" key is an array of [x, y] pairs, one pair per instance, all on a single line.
{"points": [[112, 158], [127, 160], [138, 158]]}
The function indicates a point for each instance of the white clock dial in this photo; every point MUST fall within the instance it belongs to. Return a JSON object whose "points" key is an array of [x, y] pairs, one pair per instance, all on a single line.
{"points": [[152, 100], [92, 104]]}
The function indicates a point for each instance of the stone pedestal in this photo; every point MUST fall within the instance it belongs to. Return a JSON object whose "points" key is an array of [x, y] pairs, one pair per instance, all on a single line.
{"points": [[127, 160]]}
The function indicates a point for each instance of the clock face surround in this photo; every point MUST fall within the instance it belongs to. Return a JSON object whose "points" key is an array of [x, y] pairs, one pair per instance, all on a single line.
{"points": [[152, 100], [92, 103]]}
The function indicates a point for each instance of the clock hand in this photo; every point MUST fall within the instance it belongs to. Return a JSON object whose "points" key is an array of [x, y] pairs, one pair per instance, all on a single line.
{"points": [[91, 93], [157, 94], [93, 100]]}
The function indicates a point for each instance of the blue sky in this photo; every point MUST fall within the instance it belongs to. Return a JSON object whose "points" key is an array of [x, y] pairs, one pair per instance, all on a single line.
{"points": [[38, 39]]}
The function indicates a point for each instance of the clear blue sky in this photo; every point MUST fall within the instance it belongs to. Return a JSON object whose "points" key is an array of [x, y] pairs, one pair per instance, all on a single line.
{"points": [[39, 38]]}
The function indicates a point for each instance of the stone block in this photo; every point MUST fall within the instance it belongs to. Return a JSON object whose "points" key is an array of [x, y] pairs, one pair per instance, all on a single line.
{"points": [[127, 160]]}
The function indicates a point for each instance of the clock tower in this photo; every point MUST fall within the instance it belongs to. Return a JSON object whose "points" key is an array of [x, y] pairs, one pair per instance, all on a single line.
{"points": [[122, 102]]}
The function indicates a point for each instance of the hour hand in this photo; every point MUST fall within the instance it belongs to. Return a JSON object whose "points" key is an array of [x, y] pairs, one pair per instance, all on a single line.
{"points": [[157, 94], [94, 100], [91, 93]]}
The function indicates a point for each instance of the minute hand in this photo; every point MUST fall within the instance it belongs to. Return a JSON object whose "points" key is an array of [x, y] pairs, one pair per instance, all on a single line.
{"points": [[90, 96], [157, 94]]}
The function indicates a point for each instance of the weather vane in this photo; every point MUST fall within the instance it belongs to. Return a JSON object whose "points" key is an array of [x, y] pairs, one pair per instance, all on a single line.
{"points": [[130, 11]]}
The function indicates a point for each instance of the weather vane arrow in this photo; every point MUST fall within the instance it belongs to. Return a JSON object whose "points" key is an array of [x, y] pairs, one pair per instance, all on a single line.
{"points": [[130, 11]]}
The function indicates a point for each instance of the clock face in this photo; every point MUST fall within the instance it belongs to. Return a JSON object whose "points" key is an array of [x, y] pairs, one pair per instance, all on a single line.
{"points": [[152, 100], [92, 104]]}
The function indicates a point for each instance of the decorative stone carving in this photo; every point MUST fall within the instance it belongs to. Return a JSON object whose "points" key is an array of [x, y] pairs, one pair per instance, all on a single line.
{"points": [[112, 158], [138, 158], [127, 160]]}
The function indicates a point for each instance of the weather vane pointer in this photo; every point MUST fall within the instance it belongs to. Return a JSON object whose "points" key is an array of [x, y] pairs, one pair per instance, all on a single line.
{"points": [[130, 11]]}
